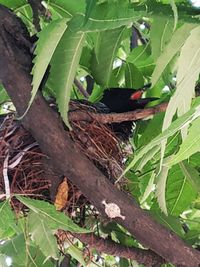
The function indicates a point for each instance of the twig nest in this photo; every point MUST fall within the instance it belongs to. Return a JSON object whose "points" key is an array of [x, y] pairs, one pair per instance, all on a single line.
{"points": [[112, 210], [98, 142]]}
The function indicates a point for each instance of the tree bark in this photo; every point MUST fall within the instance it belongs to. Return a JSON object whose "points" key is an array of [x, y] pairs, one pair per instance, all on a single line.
{"points": [[46, 127]]}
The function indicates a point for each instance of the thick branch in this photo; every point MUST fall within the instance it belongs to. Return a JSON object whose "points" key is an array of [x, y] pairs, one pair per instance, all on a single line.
{"points": [[65, 157], [116, 117], [146, 257]]}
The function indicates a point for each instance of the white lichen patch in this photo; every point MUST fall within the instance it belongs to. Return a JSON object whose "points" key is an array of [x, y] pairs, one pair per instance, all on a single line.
{"points": [[112, 210]]}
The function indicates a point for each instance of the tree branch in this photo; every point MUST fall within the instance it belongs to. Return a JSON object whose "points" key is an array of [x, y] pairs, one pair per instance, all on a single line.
{"points": [[66, 158], [146, 257], [116, 117], [80, 88]]}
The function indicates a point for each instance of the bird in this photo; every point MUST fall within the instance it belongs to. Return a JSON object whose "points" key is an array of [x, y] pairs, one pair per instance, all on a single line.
{"points": [[120, 100]]}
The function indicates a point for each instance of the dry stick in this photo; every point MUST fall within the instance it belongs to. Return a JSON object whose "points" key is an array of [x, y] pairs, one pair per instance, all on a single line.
{"points": [[116, 117], [66, 158], [81, 88]]}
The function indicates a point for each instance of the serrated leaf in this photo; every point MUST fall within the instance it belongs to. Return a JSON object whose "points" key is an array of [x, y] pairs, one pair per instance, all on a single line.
{"points": [[148, 156], [106, 16], [55, 219], [64, 65], [190, 145], [133, 76], [177, 125], [102, 61], [160, 190], [46, 46], [172, 48], [67, 8], [142, 59], [160, 34], [43, 235], [149, 188], [179, 191], [187, 75]]}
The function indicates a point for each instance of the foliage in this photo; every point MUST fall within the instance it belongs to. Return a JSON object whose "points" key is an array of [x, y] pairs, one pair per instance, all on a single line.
{"points": [[92, 37]]}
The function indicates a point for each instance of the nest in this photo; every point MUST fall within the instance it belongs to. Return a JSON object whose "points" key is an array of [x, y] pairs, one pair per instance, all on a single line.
{"points": [[98, 142], [22, 163]]}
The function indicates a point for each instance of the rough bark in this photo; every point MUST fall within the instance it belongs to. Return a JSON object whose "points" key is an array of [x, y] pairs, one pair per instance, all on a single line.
{"points": [[64, 156], [117, 117], [146, 257]]}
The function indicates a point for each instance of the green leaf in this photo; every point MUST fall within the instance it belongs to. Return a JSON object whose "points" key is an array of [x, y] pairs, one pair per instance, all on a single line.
{"points": [[187, 75], [180, 193], [141, 58], [161, 187], [3, 95], [15, 248], [177, 125], [175, 11], [77, 254], [90, 4], [160, 34], [106, 16], [46, 46], [188, 71], [64, 65], [3, 260], [192, 236], [172, 48], [191, 174], [149, 188], [154, 127], [14, 5], [102, 61], [43, 235], [23, 253], [171, 222], [67, 8], [6, 215], [54, 218], [190, 145], [133, 76]]}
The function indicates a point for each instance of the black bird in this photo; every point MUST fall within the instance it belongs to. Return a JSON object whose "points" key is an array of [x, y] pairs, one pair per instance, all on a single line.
{"points": [[120, 100], [123, 99]]}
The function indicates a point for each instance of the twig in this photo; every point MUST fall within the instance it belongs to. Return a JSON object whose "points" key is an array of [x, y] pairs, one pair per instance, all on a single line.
{"points": [[81, 89], [5, 176], [36, 20], [116, 117]]}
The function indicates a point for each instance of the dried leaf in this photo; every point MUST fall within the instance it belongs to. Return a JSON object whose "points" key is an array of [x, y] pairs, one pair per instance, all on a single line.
{"points": [[62, 195]]}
